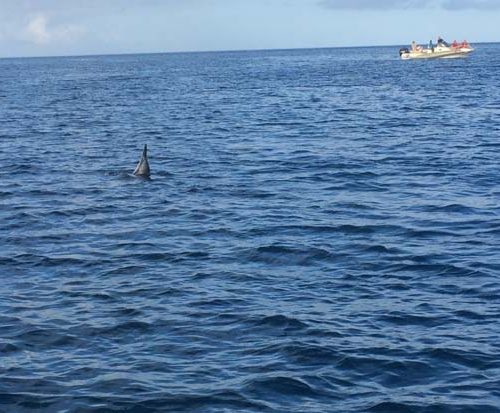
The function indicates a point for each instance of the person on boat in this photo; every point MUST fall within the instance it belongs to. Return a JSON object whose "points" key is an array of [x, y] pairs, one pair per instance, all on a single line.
{"points": [[431, 46], [414, 46], [441, 42], [454, 44]]}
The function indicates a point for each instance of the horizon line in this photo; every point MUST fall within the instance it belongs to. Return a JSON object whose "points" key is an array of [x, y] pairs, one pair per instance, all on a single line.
{"points": [[211, 51]]}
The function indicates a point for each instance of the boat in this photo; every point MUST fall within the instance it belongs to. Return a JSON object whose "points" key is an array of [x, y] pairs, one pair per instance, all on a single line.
{"points": [[441, 50]]}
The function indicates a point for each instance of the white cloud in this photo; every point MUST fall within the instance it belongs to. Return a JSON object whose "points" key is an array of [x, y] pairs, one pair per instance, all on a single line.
{"points": [[472, 4], [411, 4], [39, 31]]}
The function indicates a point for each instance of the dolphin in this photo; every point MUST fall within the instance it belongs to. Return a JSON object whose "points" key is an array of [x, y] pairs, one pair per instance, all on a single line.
{"points": [[142, 168]]}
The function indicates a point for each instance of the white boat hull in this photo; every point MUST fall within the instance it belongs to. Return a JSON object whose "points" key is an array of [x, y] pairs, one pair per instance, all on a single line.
{"points": [[437, 52]]}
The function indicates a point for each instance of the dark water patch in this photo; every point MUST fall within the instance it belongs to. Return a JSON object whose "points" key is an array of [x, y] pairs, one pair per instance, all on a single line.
{"points": [[472, 315], [121, 330], [452, 208], [218, 303], [33, 338], [434, 269], [94, 403], [415, 407], [124, 270], [283, 386], [287, 255], [301, 354], [60, 261], [281, 322], [6, 348], [403, 319], [380, 249], [470, 358]]}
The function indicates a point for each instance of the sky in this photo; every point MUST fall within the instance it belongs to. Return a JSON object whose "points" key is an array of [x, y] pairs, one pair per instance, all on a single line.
{"points": [[81, 27]]}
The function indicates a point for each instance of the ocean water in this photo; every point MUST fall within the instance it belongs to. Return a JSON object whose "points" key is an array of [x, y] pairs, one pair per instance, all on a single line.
{"points": [[320, 233]]}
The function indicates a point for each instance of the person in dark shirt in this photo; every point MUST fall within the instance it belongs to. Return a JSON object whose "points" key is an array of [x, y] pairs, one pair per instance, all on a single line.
{"points": [[441, 42]]}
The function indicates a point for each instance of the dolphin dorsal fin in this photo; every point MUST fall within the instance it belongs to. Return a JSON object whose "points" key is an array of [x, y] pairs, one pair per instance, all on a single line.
{"points": [[142, 168]]}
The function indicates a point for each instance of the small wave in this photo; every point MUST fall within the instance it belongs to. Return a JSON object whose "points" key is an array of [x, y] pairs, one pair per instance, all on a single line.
{"points": [[299, 353], [432, 406], [426, 266], [6, 348], [136, 398], [155, 256], [21, 168], [286, 255], [35, 337], [53, 261], [284, 386], [400, 318], [450, 208], [471, 358], [120, 330], [5, 194], [394, 407], [217, 302], [280, 321], [124, 270], [128, 312], [381, 249], [470, 315]]}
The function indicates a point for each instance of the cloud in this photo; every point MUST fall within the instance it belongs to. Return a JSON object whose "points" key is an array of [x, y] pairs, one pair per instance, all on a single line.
{"points": [[39, 31], [410, 4], [472, 4], [88, 6], [376, 4]]}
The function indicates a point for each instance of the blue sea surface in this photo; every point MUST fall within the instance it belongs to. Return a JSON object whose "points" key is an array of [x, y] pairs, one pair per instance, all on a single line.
{"points": [[320, 233]]}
